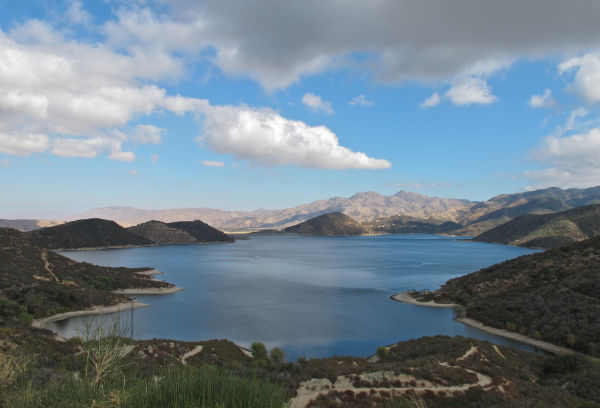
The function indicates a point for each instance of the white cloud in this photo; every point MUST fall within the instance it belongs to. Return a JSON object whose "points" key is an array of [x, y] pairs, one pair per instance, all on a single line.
{"points": [[6, 163], [212, 163], [23, 144], [315, 102], [148, 134], [432, 101], [587, 75], [570, 161], [91, 147], [262, 136], [470, 90], [154, 158], [76, 13], [361, 100], [544, 100], [134, 172]]}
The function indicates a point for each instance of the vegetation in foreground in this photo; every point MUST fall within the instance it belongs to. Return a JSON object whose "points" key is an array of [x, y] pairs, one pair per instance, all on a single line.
{"points": [[436, 372]]}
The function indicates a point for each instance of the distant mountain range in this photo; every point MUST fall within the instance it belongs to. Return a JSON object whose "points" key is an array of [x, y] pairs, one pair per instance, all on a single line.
{"points": [[361, 206], [399, 213]]}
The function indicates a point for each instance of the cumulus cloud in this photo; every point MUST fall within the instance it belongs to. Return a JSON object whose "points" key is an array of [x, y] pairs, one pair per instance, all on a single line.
{"points": [[212, 163], [23, 144], [262, 136], [91, 147], [77, 14], [154, 158], [361, 100], [544, 100], [568, 161], [432, 101], [470, 90], [586, 75], [316, 103]]}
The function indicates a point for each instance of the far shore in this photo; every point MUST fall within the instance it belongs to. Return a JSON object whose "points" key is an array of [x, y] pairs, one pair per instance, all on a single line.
{"points": [[406, 297], [96, 310]]}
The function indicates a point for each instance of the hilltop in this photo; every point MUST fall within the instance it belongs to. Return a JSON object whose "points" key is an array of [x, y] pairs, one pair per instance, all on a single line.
{"points": [[328, 224], [88, 233], [552, 295], [201, 231], [548, 230]]}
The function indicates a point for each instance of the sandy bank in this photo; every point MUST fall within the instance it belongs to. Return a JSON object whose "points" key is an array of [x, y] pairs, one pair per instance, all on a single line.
{"points": [[44, 322], [148, 291], [405, 297], [539, 344], [149, 272]]}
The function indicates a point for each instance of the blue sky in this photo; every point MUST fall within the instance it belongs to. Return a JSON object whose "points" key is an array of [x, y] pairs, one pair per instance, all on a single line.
{"points": [[243, 105]]}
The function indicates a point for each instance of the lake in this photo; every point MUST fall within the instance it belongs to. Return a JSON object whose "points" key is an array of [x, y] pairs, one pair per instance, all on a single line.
{"points": [[311, 296]]}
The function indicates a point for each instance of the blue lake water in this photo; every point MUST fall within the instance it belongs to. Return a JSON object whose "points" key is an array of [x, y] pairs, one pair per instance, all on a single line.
{"points": [[311, 296]]}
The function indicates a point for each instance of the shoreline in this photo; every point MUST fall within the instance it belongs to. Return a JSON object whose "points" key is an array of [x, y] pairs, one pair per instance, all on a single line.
{"points": [[405, 297], [44, 322], [148, 291]]}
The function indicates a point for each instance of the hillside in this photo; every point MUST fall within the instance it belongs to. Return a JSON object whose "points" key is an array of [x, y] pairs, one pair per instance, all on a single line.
{"points": [[35, 282], [489, 214], [160, 233], [201, 231], [548, 230], [88, 233], [552, 295], [408, 225], [328, 224]]}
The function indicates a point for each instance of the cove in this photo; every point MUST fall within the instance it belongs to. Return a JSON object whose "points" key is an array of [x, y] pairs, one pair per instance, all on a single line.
{"points": [[311, 296]]}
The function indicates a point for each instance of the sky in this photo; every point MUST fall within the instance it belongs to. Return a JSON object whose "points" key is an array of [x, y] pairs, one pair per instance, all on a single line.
{"points": [[268, 104]]}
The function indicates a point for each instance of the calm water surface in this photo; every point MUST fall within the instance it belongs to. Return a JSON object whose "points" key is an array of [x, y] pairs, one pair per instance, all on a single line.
{"points": [[311, 296]]}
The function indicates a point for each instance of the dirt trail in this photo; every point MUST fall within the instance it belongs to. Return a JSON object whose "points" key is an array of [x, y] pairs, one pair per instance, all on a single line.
{"points": [[310, 390], [47, 265], [191, 353]]}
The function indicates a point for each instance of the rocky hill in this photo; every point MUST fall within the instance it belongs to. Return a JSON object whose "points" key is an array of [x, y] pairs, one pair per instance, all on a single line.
{"points": [[328, 224], [201, 231], [547, 230], [35, 282], [161, 233], [88, 233], [552, 295]]}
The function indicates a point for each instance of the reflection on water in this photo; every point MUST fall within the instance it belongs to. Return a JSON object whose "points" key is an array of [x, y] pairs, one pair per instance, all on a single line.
{"points": [[312, 296]]}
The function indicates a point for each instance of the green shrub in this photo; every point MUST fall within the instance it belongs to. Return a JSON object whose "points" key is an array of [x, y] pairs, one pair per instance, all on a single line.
{"points": [[277, 355], [382, 352], [259, 351]]}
